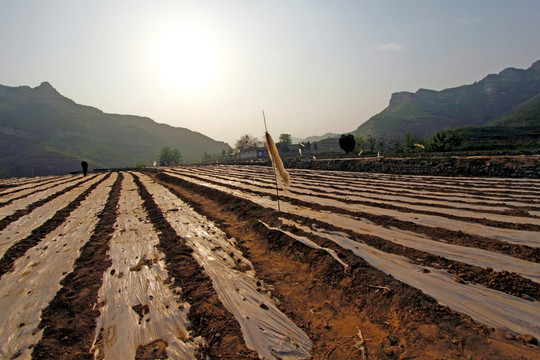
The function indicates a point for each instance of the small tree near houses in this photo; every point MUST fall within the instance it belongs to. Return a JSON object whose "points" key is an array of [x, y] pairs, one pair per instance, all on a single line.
{"points": [[347, 143]]}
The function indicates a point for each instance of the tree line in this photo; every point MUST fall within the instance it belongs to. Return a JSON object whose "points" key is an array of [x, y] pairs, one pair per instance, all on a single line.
{"points": [[442, 141]]}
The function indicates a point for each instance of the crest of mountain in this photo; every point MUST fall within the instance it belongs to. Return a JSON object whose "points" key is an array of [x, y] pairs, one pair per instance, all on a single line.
{"points": [[425, 112], [322, 137], [43, 132]]}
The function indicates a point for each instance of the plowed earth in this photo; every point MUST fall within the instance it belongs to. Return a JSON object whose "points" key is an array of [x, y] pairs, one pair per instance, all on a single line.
{"points": [[197, 262]]}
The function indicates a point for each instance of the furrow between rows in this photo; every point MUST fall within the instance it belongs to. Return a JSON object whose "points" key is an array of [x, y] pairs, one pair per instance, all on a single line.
{"points": [[19, 248], [520, 237], [264, 327], [24, 225], [356, 199], [68, 322], [137, 306], [27, 290]]}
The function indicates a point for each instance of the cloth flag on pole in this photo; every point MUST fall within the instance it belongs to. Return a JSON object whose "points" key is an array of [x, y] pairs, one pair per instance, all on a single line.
{"points": [[282, 176]]}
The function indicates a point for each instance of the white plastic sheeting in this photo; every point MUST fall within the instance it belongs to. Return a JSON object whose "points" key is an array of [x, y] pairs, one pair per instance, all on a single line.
{"points": [[36, 186], [521, 237], [24, 183], [24, 226], [265, 329], [487, 306], [36, 277], [469, 255], [137, 278], [25, 201]]}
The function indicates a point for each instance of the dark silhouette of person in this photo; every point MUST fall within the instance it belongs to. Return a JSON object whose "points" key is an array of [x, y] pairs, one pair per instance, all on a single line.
{"points": [[84, 165]]}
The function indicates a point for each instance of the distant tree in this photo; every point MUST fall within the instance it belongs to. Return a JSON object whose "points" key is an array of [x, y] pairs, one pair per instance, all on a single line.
{"points": [[382, 142], [247, 142], [140, 165], [370, 143], [284, 141], [347, 143], [360, 144], [444, 141], [438, 142], [414, 144], [168, 157], [454, 140], [397, 147]]}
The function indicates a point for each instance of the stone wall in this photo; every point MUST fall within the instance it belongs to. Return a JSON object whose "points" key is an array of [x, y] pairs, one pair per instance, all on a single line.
{"points": [[523, 166]]}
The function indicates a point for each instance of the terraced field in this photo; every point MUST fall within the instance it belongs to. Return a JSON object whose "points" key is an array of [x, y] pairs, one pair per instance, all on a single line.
{"points": [[196, 262]]}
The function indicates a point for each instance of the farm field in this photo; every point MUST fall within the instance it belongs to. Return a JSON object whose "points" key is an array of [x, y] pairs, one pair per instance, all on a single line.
{"points": [[197, 262]]}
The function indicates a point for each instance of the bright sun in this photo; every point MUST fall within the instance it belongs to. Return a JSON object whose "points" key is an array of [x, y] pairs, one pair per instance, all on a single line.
{"points": [[187, 59]]}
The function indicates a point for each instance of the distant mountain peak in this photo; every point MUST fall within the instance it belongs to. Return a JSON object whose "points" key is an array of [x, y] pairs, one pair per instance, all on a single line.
{"points": [[46, 88], [427, 111]]}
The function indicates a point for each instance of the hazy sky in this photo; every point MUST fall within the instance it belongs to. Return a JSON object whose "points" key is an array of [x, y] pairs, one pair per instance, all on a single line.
{"points": [[212, 66]]}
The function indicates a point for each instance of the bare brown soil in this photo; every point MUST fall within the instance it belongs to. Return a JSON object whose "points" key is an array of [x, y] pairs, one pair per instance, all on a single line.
{"points": [[35, 191], [22, 212], [207, 315], [19, 249], [69, 321], [333, 306], [451, 236]]}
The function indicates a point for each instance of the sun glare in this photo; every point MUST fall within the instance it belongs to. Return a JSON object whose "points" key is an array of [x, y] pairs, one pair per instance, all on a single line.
{"points": [[187, 59]]}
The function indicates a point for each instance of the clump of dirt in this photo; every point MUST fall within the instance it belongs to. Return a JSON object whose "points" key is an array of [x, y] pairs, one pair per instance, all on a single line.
{"points": [[141, 263], [154, 351], [141, 310]]}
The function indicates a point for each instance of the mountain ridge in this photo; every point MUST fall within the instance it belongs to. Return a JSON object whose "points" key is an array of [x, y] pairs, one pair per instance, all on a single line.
{"points": [[43, 132], [426, 111]]}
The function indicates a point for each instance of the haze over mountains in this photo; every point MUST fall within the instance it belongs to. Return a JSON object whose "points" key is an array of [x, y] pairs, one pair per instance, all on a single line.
{"points": [[427, 111], [43, 132]]}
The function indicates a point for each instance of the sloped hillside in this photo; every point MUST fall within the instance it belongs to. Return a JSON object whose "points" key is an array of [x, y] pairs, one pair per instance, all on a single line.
{"points": [[427, 111], [43, 132]]}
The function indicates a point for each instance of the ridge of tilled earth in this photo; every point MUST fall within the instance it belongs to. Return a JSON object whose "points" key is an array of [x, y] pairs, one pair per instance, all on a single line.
{"points": [[28, 209], [19, 249], [504, 281], [399, 320], [69, 321], [207, 315], [457, 237], [371, 202]]}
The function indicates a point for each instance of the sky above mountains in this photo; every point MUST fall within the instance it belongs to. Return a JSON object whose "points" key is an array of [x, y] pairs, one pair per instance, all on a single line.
{"points": [[211, 66]]}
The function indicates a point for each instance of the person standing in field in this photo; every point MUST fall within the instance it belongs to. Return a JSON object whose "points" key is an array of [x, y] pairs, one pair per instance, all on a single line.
{"points": [[84, 165]]}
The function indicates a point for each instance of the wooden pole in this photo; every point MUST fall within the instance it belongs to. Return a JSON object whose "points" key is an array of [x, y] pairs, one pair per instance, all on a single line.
{"points": [[273, 168]]}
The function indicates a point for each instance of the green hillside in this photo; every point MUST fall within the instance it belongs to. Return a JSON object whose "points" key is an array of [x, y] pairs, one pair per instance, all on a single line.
{"points": [[43, 132], [427, 111], [518, 131], [525, 115]]}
